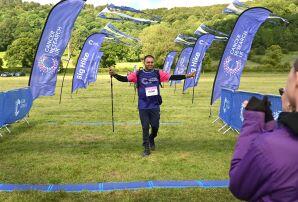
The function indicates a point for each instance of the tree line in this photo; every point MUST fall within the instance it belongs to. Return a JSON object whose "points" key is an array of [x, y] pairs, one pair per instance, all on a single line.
{"points": [[21, 24]]}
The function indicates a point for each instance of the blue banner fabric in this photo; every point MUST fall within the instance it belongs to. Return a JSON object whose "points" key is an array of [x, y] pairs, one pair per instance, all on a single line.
{"points": [[237, 49], [231, 108], [112, 14], [123, 8], [276, 105], [92, 76], [169, 61], [196, 59], [111, 30], [17, 104], [185, 40], [1, 109], [54, 39], [182, 62], [237, 111], [86, 61], [226, 106]]}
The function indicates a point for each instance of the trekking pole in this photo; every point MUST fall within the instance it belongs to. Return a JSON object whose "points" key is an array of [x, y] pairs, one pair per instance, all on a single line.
{"points": [[175, 88], [112, 98], [134, 96]]}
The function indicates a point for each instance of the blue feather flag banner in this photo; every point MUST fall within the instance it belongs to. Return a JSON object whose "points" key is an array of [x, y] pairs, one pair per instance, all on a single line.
{"points": [[239, 4], [112, 38], [196, 59], [237, 49], [203, 29], [237, 7], [111, 30], [92, 76], [169, 61], [123, 8], [86, 61], [113, 12], [52, 44], [182, 62], [185, 40]]}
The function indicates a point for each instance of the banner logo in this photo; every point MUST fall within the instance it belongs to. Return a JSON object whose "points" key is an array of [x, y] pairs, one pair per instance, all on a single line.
{"points": [[47, 64], [19, 104], [230, 69], [241, 112], [92, 43], [276, 114], [226, 105]]}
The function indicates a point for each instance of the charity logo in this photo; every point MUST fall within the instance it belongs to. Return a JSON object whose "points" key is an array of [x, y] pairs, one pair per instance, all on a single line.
{"points": [[276, 114], [232, 69], [146, 81], [47, 64], [241, 112], [19, 105], [180, 71], [181, 62], [226, 105]]}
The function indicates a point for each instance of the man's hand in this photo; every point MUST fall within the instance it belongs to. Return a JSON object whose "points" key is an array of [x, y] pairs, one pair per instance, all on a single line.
{"points": [[112, 72], [191, 75]]}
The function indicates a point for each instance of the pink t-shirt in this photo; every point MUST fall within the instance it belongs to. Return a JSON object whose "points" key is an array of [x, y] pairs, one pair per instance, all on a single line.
{"points": [[164, 77]]}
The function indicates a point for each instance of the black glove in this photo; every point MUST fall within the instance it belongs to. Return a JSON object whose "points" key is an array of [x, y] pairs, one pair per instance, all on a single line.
{"points": [[255, 104], [268, 111]]}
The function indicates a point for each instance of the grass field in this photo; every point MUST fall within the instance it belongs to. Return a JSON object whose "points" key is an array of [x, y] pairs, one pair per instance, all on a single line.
{"points": [[61, 146]]}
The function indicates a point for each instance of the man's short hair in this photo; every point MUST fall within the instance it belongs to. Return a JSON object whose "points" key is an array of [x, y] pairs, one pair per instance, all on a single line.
{"points": [[148, 56]]}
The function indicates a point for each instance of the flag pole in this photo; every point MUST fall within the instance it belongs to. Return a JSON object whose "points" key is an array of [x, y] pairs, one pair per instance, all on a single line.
{"points": [[61, 91], [210, 111], [193, 94], [193, 91], [69, 54], [112, 98]]}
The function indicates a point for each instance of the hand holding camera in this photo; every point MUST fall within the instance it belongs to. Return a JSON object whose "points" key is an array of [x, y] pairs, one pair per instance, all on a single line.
{"points": [[255, 104]]}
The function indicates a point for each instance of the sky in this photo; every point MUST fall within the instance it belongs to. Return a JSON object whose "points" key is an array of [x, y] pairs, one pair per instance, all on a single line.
{"points": [[144, 4]]}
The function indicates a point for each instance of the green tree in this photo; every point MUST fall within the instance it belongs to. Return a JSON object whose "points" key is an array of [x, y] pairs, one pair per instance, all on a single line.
{"points": [[273, 59], [206, 66], [21, 53], [7, 28], [1, 63], [158, 40], [273, 56]]}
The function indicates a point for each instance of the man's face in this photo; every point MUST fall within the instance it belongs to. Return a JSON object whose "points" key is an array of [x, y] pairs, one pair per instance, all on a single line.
{"points": [[289, 97], [149, 63]]}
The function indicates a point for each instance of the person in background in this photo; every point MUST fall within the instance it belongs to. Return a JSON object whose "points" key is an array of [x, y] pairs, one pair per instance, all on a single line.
{"points": [[265, 161], [148, 81]]}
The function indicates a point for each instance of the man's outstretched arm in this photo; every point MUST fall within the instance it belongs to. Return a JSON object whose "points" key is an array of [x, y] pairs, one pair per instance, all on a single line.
{"points": [[120, 78], [165, 77], [117, 76]]}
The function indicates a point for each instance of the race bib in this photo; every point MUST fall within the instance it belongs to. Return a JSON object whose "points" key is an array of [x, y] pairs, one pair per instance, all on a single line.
{"points": [[151, 91]]}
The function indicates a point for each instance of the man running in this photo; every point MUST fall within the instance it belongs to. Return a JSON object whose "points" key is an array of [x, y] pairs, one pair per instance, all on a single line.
{"points": [[148, 81]]}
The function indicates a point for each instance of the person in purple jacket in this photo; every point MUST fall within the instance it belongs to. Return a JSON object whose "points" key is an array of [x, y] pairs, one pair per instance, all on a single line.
{"points": [[148, 81], [265, 162]]}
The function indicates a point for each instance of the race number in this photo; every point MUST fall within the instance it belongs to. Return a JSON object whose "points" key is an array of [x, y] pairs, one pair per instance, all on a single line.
{"points": [[151, 91]]}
